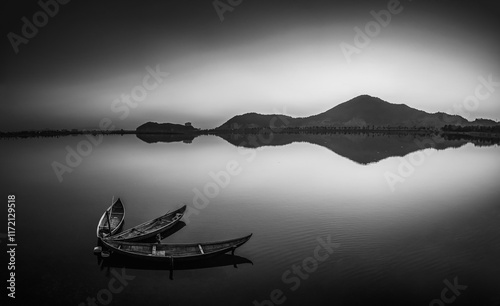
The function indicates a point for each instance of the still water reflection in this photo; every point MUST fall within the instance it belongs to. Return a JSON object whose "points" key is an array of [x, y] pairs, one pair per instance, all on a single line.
{"points": [[392, 246]]}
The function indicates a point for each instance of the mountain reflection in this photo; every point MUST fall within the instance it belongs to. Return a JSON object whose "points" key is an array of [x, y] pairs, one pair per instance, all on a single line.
{"points": [[362, 148]]}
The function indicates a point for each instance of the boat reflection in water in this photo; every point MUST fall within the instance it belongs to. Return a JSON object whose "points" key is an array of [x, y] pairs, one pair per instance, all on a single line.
{"points": [[120, 261]]}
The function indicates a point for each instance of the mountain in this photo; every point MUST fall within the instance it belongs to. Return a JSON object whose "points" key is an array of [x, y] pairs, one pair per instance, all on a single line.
{"points": [[361, 111]]}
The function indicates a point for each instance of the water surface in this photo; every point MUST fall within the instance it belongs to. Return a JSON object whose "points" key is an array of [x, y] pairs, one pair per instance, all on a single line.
{"points": [[393, 246]]}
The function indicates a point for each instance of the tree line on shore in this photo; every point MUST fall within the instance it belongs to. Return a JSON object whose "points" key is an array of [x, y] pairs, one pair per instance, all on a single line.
{"points": [[494, 129], [472, 128]]}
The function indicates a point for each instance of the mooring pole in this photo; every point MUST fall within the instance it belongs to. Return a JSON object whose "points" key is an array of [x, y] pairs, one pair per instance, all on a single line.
{"points": [[171, 267]]}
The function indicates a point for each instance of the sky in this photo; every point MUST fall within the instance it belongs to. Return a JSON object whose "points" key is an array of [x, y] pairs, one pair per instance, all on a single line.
{"points": [[217, 59]]}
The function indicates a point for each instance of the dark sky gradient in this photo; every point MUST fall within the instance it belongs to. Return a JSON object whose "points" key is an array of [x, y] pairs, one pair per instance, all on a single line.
{"points": [[266, 56]]}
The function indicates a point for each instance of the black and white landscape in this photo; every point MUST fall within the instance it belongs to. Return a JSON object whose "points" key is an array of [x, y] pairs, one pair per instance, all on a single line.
{"points": [[237, 152]]}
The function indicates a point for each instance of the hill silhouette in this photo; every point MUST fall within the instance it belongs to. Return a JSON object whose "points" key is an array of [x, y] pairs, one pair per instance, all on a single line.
{"points": [[361, 111]]}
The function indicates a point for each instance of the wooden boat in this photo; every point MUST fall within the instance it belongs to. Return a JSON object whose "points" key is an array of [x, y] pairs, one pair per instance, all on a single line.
{"points": [[174, 252], [111, 220], [150, 228]]}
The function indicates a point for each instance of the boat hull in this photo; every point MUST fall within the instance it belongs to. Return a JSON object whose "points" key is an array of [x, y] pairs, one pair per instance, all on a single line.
{"points": [[151, 228], [174, 252]]}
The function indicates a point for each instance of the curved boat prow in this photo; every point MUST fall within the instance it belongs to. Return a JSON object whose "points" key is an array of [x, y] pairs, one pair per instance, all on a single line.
{"points": [[111, 220]]}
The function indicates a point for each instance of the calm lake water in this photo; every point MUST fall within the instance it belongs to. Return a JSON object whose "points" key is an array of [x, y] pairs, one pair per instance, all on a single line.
{"points": [[389, 246]]}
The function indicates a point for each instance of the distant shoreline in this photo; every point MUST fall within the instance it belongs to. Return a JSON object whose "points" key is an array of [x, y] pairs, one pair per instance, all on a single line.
{"points": [[57, 133], [249, 131]]}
